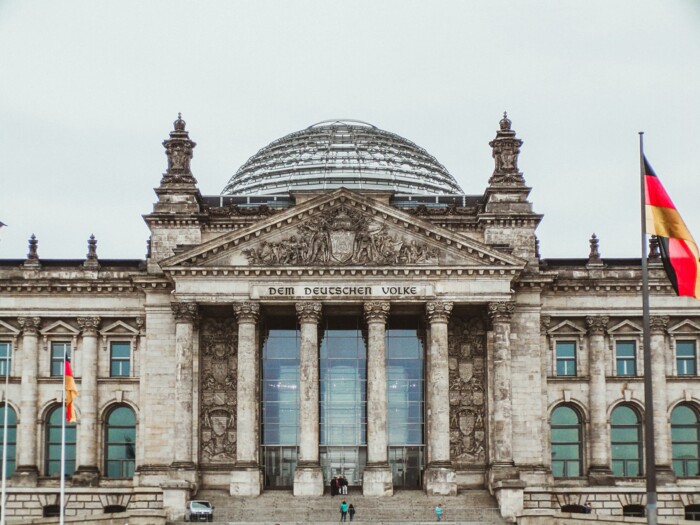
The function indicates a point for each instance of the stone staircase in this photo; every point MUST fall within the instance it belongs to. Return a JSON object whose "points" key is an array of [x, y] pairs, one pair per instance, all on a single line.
{"points": [[405, 507]]}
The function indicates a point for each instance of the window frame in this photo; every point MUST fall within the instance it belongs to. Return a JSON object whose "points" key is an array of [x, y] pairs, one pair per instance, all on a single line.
{"points": [[107, 443], [128, 360], [639, 442], [11, 441], [580, 442], [693, 358], [48, 458], [634, 359], [575, 358], [6, 360], [54, 360], [696, 442]]}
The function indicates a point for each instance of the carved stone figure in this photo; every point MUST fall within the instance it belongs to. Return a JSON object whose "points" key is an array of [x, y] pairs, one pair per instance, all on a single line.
{"points": [[341, 236], [218, 390], [467, 364]]}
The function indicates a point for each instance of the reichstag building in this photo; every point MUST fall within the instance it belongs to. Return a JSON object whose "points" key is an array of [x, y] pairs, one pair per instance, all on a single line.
{"points": [[343, 308]]}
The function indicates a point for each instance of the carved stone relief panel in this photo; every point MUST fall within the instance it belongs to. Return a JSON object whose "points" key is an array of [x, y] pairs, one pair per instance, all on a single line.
{"points": [[467, 363], [219, 363]]}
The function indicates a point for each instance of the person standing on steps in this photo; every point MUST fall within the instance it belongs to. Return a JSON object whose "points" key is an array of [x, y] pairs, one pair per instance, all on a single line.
{"points": [[343, 510], [438, 512], [351, 512]]}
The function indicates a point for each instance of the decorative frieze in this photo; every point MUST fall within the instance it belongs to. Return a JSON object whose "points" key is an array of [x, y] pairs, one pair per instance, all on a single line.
{"points": [[438, 311], [467, 343], [309, 312], [247, 311], [597, 324], [341, 236], [377, 311], [218, 343], [545, 321]]}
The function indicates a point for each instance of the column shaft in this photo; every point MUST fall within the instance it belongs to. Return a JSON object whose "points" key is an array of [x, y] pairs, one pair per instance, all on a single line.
{"points": [[662, 449], [27, 469], [87, 451], [599, 472], [502, 397], [186, 315]]}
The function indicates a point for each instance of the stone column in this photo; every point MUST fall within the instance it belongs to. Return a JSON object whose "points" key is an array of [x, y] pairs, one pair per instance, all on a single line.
{"points": [[599, 472], [439, 477], [246, 478], [27, 470], [186, 317], [88, 473], [662, 449], [377, 478], [502, 466], [308, 477]]}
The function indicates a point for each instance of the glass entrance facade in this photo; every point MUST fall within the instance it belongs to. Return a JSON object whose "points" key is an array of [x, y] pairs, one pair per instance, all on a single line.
{"points": [[280, 399], [405, 353], [343, 396]]}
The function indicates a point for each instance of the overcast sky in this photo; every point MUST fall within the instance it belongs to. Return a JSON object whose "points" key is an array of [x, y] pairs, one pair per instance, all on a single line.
{"points": [[89, 90]]}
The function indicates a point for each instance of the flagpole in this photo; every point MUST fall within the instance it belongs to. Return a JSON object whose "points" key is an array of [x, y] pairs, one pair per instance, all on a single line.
{"points": [[63, 439], [6, 407], [651, 509]]}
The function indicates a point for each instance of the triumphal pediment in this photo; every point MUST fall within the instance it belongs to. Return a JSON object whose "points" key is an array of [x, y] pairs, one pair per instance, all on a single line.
{"points": [[343, 229]]}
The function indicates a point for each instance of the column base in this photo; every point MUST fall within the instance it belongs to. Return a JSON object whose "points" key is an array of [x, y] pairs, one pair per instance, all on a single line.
{"points": [[503, 471], [175, 496], [509, 494], [25, 476], [86, 477], [184, 471], [308, 480], [600, 475], [665, 475], [246, 481], [377, 480], [440, 479]]}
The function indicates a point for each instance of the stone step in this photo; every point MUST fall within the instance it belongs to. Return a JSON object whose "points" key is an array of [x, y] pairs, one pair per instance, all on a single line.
{"points": [[281, 507]]}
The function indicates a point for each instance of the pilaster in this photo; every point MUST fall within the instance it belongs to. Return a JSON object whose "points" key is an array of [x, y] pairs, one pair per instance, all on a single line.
{"points": [[662, 451]]}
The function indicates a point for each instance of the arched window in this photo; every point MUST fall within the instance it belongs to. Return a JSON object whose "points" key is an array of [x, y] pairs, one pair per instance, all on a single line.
{"points": [[120, 442], [626, 442], [685, 438], [53, 444], [11, 437], [567, 456]]}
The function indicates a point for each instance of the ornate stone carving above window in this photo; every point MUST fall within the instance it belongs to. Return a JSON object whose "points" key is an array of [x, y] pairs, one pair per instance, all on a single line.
{"points": [[218, 390], [467, 363], [342, 236]]}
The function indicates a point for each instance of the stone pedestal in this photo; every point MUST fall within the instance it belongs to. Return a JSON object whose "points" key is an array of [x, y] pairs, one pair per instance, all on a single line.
{"points": [[308, 481], [440, 480], [86, 476], [377, 480], [246, 481], [510, 498], [25, 476], [175, 496]]}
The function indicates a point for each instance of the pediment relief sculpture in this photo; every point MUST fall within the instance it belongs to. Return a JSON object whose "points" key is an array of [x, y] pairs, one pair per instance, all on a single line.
{"points": [[343, 236]]}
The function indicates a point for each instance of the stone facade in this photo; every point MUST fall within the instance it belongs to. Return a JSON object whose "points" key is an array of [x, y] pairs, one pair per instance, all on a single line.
{"points": [[176, 339]]}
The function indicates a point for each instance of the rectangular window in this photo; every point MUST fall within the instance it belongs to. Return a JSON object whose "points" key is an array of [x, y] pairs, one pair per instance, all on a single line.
{"points": [[686, 361], [626, 358], [566, 358], [5, 358], [119, 359], [58, 350]]}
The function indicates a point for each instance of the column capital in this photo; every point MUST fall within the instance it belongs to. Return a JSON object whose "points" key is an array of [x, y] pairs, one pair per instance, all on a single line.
{"points": [[658, 324], [596, 324], [545, 321], [377, 311], [309, 311], [29, 325], [247, 311], [501, 311], [89, 325], [439, 311], [185, 312]]}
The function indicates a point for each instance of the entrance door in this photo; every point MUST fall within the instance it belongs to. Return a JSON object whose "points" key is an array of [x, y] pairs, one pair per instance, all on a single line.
{"points": [[406, 465], [280, 463], [343, 461]]}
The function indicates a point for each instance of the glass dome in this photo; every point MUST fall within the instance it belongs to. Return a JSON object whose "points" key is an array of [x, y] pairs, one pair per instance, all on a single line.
{"points": [[342, 153]]}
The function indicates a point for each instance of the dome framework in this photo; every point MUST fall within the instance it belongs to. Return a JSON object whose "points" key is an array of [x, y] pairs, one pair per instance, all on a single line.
{"points": [[342, 153]]}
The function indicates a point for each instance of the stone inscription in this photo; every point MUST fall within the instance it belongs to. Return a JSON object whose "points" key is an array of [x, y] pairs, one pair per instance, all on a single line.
{"points": [[467, 358], [341, 236], [341, 291], [218, 390]]}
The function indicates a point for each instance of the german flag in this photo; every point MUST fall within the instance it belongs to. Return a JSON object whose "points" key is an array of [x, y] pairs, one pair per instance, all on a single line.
{"points": [[71, 394], [679, 252]]}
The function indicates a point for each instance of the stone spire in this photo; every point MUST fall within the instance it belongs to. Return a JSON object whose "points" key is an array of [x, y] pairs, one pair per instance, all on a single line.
{"points": [[506, 148], [32, 260], [654, 248], [178, 149], [594, 258], [91, 257]]}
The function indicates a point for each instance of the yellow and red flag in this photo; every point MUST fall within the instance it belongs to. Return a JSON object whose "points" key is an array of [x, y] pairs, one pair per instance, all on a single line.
{"points": [[71, 394], [679, 252]]}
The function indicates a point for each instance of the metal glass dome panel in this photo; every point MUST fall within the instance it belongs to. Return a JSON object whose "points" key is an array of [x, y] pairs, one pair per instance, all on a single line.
{"points": [[342, 153]]}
